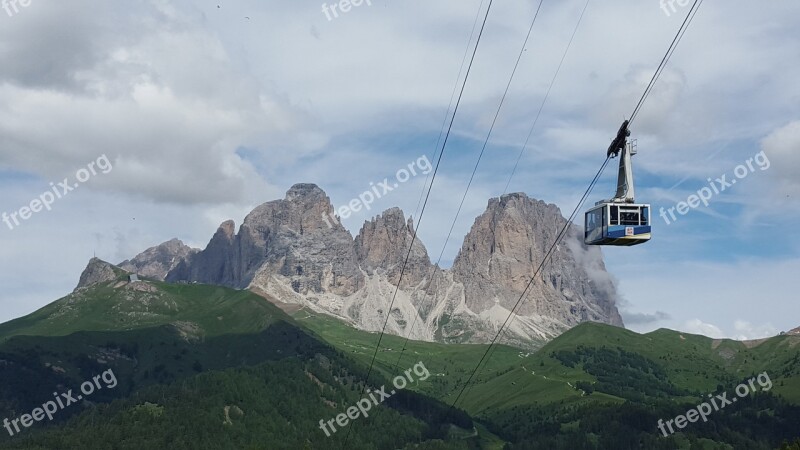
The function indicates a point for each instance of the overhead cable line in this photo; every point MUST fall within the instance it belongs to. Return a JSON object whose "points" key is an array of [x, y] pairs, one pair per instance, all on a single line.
{"points": [[546, 96], [424, 205], [475, 169], [559, 237], [678, 37], [449, 105]]}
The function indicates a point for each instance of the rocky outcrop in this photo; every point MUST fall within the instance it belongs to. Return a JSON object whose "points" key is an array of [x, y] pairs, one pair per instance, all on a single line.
{"points": [[288, 238], [212, 265], [382, 247], [156, 262], [315, 254], [291, 250], [97, 271], [506, 247]]}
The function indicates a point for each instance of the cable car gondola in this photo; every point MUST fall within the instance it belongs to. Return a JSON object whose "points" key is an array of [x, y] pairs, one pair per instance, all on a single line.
{"points": [[619, 221]]}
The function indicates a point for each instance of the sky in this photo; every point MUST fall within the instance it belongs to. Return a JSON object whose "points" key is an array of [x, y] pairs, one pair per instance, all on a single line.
{"points": [[126, 124]]}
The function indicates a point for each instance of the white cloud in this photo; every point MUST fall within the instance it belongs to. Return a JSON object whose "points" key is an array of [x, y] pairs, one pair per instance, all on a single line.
{"points": [[742, 330], [782, 146], [747, 331], [697, 326], [173, 90], [761, 290], [631, 318], [165, 103]]}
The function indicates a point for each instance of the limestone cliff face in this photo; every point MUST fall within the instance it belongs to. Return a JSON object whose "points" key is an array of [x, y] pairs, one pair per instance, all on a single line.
{"points": [[97, 271], [288, 238], [214, 265], [382, 247], [156, 262], [290, 251], [300, 245], [506, 246]]}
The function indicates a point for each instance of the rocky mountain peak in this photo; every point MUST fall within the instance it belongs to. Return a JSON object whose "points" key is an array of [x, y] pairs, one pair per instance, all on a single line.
{"points": [[505, 247], [295, 239], [304, 192], [97, 271], [306, 207], [383, 243], [156, 262], [227, 229], [516, 200], [173, 244], [296, 251]]}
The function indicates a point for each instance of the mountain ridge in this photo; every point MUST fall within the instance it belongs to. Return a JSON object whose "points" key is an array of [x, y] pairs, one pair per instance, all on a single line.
{"points": [[290, 250], [156, 262]]}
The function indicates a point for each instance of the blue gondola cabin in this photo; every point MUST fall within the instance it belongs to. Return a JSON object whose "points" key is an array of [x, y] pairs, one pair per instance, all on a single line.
{"points": [[621, 224]]}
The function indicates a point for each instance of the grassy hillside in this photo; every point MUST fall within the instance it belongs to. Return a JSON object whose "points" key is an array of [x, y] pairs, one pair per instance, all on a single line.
{"points": [[217, 368], [604, 387], [449, 364], [693, 364], [273, 405], [596, 386], [119, 305]]}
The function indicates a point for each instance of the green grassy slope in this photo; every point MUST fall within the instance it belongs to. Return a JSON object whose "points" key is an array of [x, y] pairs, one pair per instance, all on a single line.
{"points": [[583, 388], [514, 377], [166, 343], [449, 364], [693, 363], [210, 348], [630, 378], [273, 405], [120, 305], [511, 376]]}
